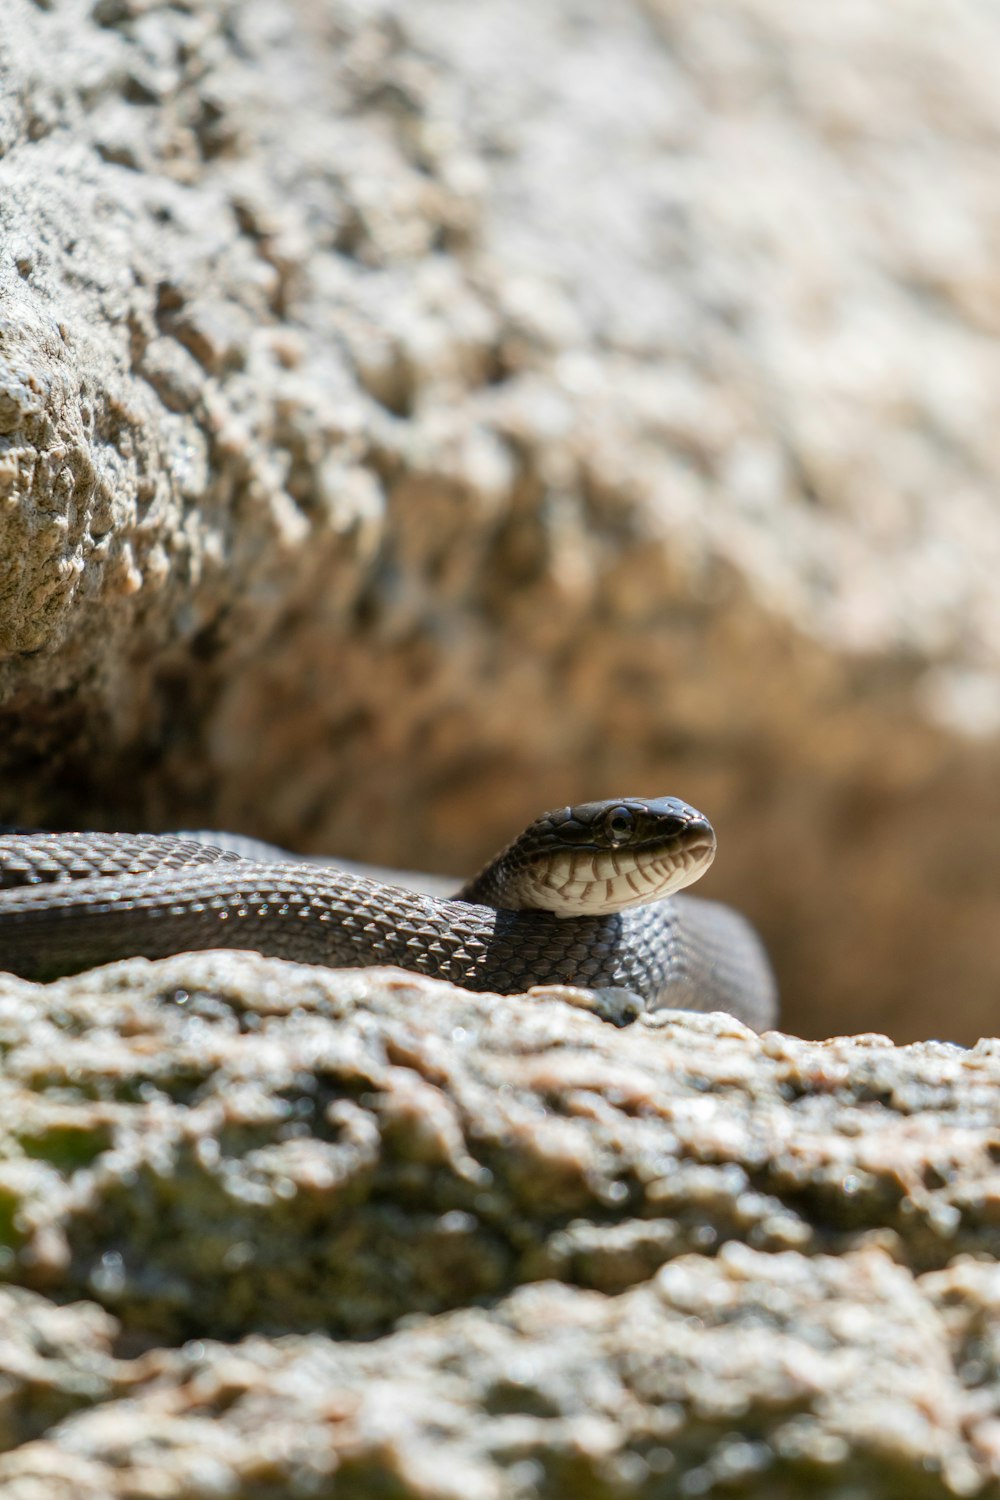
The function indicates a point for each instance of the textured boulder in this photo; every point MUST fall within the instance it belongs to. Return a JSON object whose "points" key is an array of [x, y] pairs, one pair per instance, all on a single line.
{"points": [[233, 1142], [632, 1263], [406, 426], [784, 1377]]}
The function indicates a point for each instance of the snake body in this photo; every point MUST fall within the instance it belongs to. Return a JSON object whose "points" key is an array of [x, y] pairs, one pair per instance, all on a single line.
{"points": [[71, 901]]}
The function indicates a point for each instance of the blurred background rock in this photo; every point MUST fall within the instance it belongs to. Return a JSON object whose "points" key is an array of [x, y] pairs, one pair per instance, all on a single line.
{"points": [[413, 416]]}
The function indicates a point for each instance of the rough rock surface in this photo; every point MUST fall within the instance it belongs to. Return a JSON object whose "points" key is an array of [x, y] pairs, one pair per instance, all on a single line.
{"points": [[406, 425], [354, 1234], [750, 1374]]}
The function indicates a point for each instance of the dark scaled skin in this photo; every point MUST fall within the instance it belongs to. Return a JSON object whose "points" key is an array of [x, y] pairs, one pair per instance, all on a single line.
{"points": [[72, 901]]}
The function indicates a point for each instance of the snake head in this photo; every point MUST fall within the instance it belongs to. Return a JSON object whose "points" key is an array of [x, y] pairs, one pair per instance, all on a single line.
{"points": [[599, 857]]}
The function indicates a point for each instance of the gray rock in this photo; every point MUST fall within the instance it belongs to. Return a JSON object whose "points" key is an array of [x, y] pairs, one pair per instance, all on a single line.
{"points": [[216, 1143], [465, 1245], [760, 1374]]}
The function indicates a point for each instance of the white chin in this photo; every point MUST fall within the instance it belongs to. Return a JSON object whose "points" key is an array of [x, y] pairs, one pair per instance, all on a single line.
{"points": [[600, 897]]}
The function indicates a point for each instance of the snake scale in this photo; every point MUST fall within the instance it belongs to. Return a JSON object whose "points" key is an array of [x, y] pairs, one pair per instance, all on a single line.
{"points": [[585, 895]]}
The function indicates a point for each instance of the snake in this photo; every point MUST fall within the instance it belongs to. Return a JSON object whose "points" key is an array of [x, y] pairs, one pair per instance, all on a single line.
{"points": [[585, 896]]}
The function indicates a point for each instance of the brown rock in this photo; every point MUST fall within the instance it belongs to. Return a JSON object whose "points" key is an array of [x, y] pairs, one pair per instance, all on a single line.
{"points": [[402, 435], [371, 481]]}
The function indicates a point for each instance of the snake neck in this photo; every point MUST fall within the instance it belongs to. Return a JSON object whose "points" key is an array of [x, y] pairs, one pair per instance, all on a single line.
{"points": [[491, 887]]}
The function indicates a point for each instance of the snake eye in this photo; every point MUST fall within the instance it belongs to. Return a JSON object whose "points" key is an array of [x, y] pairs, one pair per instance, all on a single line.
{"points": [[619, 824]]}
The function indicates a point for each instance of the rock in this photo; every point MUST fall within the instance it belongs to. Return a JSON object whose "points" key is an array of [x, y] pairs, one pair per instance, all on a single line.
{"points": [[765, 1374], [222, 1142], [352, 1232], [406, 427]]}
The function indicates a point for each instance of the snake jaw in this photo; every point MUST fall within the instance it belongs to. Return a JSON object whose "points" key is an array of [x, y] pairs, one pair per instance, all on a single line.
{"points": [[598, 882]]}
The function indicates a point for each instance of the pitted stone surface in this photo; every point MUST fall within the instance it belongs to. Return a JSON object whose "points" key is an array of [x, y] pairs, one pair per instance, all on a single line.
{"points": [[406, 427], [213, 1144], [272, 1230]]}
